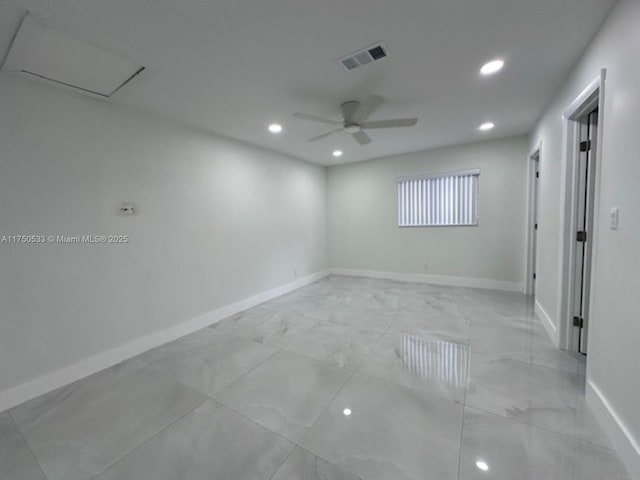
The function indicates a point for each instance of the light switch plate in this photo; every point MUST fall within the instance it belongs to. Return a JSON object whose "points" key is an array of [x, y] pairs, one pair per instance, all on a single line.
{"points": [[613, 218]]}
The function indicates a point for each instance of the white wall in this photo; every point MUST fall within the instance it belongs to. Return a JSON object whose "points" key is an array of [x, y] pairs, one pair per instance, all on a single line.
{"points": [[614, 351], [218, 221], [363, 231]]}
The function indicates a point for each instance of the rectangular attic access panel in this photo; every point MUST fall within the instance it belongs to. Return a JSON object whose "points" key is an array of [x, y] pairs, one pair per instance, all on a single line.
{"points": [[45, 52]]}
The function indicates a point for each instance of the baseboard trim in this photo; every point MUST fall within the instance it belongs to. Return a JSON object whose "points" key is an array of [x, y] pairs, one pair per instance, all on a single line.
{"points": [[434, 279], [547, 323], [66, 375], [621, 438]]}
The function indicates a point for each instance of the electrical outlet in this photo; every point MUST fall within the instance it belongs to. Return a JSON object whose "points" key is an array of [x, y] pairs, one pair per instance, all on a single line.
{"points": [[425, 267], [128, 209], [295, 272]]}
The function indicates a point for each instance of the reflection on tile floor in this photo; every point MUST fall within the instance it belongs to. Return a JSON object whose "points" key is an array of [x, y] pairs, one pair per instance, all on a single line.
{"points": [[348, 378]]}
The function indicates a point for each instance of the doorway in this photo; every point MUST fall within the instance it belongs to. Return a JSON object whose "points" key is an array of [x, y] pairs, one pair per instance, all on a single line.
{"points": [[532, 226], [584, 203], [583, 134]]}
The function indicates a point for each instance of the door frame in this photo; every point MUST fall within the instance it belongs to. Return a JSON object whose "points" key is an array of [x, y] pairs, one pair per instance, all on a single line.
{"points": [[531, 247], [590, 98]]}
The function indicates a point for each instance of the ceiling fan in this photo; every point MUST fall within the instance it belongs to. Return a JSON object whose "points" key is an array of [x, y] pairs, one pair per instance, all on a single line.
{"points": [[354, 116]]}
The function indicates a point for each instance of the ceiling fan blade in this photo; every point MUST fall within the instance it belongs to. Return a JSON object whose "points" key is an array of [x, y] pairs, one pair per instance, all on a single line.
{"points": [[362, 138], [367, 108], [324, 135], [399, 122], [315, 118], [349, 110]]}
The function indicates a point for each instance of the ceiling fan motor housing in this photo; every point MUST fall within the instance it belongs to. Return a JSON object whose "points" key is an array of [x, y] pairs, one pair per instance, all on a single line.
{"points": [[352, 128]]}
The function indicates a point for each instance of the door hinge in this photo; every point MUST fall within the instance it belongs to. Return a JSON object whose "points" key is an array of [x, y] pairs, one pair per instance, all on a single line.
{"points": [[585, 146], [581, 236], [534, 276], [537, 174], [535, 226], [578, 322]]}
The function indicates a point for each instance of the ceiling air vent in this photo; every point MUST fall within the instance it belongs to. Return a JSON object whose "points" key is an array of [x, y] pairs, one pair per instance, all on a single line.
{"points": [[362, 57], [46, 53]]}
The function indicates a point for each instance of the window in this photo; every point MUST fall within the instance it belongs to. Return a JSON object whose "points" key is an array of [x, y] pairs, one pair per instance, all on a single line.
{"points": [[438, 200]]}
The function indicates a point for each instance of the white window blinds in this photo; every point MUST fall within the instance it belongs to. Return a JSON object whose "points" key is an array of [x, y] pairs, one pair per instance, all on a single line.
{"points": [[438, 200]]}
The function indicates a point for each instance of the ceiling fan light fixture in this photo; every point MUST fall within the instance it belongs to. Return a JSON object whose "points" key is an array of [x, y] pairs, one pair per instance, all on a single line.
{"points": [[275, 128], [337, 153], [485, 127]]}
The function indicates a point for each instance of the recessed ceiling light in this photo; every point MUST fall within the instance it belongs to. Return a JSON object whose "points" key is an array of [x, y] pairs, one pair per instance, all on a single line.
{"points": [[482, 465], [275, 128], [494, 66], [337, 153], [346, 412], [485, 127]]}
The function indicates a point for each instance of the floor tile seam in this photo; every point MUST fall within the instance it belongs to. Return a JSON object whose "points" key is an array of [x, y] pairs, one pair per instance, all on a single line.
{"points": [[372, 349], [357, 477], [528, 362], [164, 375], [315, 324], [259, 425], [349, 377], [594, 444], [353, 373], [576, 437], [167, 376], [121, 458], [575, 411], [212, 395], [493, 355], [26, 442], [539, 428], [277, 350], [297, 443], [409, 477], [522, 421], [156, 372], [283, 461], [409, 389], [462, 423]]}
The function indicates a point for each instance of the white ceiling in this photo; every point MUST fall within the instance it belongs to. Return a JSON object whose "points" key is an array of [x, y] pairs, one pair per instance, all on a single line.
{"points": [[234, 66]]}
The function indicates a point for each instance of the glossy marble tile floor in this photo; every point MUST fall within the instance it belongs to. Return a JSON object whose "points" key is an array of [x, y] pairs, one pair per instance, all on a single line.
{"points": [[344, 379]]}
